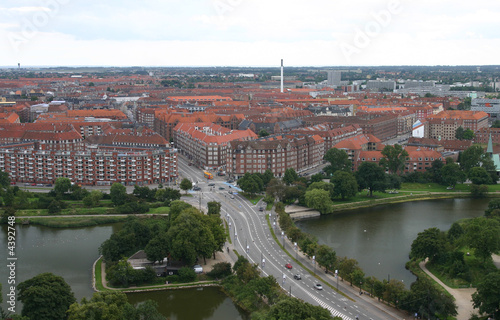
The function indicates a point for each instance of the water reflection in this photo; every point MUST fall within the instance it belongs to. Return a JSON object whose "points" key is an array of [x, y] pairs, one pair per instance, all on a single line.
{"points": [[380, 237], [192, 304]]}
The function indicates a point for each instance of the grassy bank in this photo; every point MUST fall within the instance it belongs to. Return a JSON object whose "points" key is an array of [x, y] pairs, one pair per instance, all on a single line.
{"points": [[75, 222]]}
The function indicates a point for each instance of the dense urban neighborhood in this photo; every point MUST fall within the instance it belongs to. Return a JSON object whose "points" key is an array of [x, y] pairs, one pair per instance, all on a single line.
{"points": [[209, 170]]}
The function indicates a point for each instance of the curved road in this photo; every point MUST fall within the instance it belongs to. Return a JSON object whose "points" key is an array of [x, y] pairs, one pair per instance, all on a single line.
{"points": [[251, 237]]}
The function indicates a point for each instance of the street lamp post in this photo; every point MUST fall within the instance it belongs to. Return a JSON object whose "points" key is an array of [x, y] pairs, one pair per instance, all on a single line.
{"points": [[314, 264], [337, 276], [296, 251], [283, 237]]}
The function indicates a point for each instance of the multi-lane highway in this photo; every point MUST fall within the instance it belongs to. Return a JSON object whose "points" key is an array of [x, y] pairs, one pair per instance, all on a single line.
{"points": [[251, 236]]}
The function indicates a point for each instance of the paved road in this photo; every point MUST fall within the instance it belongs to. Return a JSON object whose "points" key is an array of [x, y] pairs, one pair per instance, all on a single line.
{"points": [[251, 237]]}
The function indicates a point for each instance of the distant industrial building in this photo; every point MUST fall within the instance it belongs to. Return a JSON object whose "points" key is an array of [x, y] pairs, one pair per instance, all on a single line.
{"points": [[381, 85], [490, 106]]}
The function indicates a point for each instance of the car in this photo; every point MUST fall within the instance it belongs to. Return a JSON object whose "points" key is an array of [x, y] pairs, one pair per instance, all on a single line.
{"points": [[198, 269], [297, 277], [27, 183], [230, 192], [230, 181], [12, 182], [232, 197], [288, 266], [221, 188], [48, 185], [261, 209], [33, 184], [449, 188], [39, 184], [318, 286], [196, 188], [211, 184]]}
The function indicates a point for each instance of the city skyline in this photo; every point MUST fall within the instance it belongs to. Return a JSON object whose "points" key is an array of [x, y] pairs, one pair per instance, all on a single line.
{"points": [[248, 33]]}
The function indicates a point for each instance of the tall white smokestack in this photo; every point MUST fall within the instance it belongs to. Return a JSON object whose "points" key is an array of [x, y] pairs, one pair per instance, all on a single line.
{"points": [[281, 75]]}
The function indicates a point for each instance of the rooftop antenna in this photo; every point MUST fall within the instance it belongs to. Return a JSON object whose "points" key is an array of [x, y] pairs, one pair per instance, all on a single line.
{"points": [[281, 75]]}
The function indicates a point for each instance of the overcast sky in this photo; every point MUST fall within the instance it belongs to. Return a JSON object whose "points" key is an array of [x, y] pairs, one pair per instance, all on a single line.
{"points": [[249, 32]]}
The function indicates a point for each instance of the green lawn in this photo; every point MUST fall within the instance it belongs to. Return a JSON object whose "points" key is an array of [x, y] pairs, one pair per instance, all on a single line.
{"points": [[252, 198]]}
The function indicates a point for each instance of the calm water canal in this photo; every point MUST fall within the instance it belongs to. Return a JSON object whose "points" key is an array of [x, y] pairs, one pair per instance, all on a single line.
{"points": [[70, 253], [380, 237]]}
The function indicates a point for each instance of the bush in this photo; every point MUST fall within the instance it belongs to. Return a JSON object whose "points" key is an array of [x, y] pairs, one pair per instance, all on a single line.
{"points": [[220, 270], [173, 278], [187, 274]]}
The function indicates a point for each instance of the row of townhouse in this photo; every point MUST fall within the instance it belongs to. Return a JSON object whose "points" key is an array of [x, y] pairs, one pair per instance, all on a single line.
{"points": [[276, 153], [90, 167]]}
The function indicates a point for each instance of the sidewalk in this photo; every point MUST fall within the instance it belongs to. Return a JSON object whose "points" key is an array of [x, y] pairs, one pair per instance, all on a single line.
{"points": [[462, 297]]}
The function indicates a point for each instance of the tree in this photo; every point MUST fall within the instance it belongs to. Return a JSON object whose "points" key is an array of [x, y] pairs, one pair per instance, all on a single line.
{"points": [[113, 305], [263, 133], [429, 244], [474, 156], [45, 297], [481, 234], [434, 171], [394, 158], [276, 188], [347, 267], [157, 248], [479, 175], [345, 184], [468, 134], [62, 185], [316, 177], [290, 176], [294, 309], [371, 176], [214, 207], [496, 124], [339, 160], [118, 193], [4, 179], [190, 236], [478, 190], [451, 174], [92, 200], [486, 298], [186, 185], [459, 133], [326, 257], [320, 200]]}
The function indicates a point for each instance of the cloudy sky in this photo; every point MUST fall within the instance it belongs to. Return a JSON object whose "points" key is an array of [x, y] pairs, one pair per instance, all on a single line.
{"points": [[248, 32]]}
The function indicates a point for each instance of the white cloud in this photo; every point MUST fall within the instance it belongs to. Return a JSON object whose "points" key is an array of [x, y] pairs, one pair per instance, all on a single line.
{"points": [[251, 32]]}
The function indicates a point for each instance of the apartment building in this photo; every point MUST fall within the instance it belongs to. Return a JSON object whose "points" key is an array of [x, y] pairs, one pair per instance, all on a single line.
{"points": [[445, 124], [276, 153], [206, 144], [90, 167]]}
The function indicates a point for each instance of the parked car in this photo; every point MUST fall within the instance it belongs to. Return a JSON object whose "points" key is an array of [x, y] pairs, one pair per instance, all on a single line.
{"points": [[39, 184], [230, 181], [211, 184], [33, 184], [27, 183], [297, 277], [288, 266], [48, 185], [318, 286], [261, 208], [12, 182], [198, 269]]}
